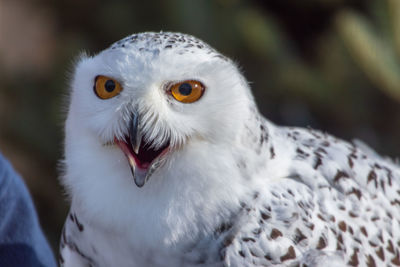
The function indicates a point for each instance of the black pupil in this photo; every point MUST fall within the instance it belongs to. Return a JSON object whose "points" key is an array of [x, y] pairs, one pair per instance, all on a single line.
{"points": [[185, 89], [109, 85]]}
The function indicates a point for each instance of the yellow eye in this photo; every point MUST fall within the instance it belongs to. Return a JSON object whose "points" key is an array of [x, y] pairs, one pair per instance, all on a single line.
{"points": [[105, 87], [187, 91]]}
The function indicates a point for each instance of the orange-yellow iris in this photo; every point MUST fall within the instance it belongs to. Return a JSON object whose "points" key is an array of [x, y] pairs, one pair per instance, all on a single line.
{"points": [[187, 91], [106, 87]]}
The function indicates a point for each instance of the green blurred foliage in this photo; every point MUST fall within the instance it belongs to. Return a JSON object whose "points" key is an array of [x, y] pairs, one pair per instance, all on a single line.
{"points": [[330, 64], [376, 54]]}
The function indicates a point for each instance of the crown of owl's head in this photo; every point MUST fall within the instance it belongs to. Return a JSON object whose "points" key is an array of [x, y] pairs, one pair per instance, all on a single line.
{"points": [[138, 104]]}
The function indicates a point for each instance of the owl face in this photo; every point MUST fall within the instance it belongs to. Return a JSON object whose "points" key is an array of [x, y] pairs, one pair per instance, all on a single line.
{"points": [[149, 96]]}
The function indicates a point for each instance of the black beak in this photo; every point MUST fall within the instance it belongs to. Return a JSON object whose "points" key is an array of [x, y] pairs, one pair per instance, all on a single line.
{"points": [[134, 136]]}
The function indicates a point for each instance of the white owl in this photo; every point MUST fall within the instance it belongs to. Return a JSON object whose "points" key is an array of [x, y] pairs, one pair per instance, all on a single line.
{"points": [[169, 163]]}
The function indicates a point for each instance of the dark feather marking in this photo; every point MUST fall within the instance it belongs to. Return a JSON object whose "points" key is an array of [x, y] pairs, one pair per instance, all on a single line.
{"points": [[272, 152], [354, 258], [389, 175], [75, 248], [321, 243], [370, 261], [389, 215], [390, 247], [60, 259], [394, 202], [372, 244], [375, 218], [275, 233], [364, 231], [321, 217], [63, 238], [299, 236], [325, 143], [380, 237], [355, 191], [248, 239], [290, 192], [318, 161], [265, 216], [224, 227], [340, 239], [340, 175], [396, 260], [228, 241], [352, 214], [257, 231], [339, 246], [78, 224], [342, 226], [380, 253], [310, 226], [350, 161], [321, 150], [291, 254], [383, 186], [372, 176], [301, 153], [351, 230]]}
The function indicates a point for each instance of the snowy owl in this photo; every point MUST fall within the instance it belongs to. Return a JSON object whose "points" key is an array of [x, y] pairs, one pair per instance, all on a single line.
{"points": [[169, 163]]}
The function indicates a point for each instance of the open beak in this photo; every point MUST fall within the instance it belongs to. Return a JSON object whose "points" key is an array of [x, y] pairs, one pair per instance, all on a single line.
{"points": [[143, 159]]}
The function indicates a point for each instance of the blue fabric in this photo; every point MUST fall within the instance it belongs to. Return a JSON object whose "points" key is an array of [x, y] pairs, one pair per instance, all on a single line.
{"points": [[22, 242]]}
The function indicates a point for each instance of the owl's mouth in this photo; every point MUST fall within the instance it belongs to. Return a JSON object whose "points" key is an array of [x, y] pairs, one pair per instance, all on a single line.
{"points": [[143, 157]]}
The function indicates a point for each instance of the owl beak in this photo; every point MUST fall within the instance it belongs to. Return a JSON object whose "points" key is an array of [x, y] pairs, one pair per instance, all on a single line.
{"points": [[142, 158], [139, 175], [134, 136]]}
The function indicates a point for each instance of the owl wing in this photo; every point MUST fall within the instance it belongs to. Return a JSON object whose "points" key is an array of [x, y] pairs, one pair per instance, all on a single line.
{"points": [[280, 227], [338, 205]]}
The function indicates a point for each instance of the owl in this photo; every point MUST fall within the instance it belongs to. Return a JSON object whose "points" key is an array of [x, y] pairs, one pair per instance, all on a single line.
{"points": [[169, 163]]}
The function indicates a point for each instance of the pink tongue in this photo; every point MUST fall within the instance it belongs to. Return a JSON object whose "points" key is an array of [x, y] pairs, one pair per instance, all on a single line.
{"points": [[132, 159]]}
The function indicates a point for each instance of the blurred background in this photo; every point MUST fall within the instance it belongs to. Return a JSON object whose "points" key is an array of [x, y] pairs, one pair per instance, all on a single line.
{"points": [[333, 65]]}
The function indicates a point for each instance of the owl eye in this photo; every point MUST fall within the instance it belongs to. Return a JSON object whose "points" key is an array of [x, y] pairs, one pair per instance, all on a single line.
{"points": [[106, 87], [187, 91]]}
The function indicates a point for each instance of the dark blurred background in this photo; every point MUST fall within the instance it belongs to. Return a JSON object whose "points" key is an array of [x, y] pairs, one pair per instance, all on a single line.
{"points": [[333, 65]]}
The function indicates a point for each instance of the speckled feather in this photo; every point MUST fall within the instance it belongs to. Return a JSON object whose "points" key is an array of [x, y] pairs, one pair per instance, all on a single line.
{"points": [[256, 195], [338, 205]]}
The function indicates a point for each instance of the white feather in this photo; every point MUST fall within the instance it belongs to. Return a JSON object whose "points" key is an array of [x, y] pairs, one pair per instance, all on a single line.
{"points": [[236, 190]]}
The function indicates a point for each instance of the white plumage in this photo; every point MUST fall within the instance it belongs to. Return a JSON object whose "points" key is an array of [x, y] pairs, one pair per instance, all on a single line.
{"points": [[156, 181]]}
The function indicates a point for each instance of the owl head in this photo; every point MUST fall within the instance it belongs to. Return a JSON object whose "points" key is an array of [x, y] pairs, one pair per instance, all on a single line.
{"points": [[149, 105]]}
